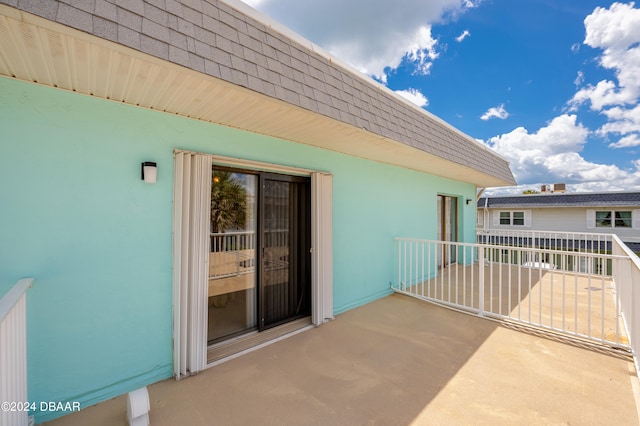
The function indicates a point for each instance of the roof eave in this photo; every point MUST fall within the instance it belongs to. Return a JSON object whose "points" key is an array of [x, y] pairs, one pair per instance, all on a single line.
{"points": [[108, 70]]}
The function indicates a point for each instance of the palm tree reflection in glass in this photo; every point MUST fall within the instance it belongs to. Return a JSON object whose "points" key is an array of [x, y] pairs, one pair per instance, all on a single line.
{"points": [[228, 203], [228, 213]]}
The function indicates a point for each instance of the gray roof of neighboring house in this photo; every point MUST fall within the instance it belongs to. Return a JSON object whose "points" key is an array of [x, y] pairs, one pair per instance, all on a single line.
{"points": [[601, 199], [222, 40], [634, 247]]}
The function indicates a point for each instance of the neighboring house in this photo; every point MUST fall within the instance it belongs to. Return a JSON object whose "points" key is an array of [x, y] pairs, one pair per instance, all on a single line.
{"points": [[607, 212], [329, 165]]}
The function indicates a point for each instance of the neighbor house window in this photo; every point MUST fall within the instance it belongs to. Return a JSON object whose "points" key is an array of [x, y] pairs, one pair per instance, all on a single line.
{"points": [[518, 218], [623, 219], [613, 219], [512, 218], [505, 218], [603, 219]]}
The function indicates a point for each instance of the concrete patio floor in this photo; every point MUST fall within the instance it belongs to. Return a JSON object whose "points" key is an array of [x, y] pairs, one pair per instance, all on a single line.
{"points": [[397, 361]]}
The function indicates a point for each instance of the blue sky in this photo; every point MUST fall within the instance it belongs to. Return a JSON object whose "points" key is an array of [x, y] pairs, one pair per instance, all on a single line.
{"points": [[552, 86]]}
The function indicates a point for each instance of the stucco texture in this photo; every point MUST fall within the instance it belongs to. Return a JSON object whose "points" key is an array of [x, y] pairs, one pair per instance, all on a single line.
{"points": [[77, 217]]}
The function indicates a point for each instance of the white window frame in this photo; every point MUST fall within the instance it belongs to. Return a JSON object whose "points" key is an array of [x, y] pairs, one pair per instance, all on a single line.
{"points": [[592, 216], [508, 218], [525, 213]]}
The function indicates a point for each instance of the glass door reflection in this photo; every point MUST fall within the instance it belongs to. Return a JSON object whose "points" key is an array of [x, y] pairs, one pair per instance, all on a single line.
{"points": [[232, 299]]}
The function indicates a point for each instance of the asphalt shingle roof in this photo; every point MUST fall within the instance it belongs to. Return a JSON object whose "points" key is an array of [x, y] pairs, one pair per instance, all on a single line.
{"points": [[216, 38], [602, 199]]}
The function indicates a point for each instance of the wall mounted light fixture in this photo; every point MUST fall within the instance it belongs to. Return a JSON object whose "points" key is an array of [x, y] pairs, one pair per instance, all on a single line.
{"points": [[149, 171], [469, 201]]}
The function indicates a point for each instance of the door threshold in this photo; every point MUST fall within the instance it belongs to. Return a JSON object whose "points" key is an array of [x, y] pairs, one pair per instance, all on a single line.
{"points": [[223, 350]]}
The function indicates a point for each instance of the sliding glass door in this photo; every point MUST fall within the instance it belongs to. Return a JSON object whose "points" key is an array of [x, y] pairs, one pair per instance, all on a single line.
{"points": [[259, 263]]}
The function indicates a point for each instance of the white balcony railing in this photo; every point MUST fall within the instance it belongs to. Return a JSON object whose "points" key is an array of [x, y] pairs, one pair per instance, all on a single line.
{"points": [[563, 291], [626, 275], [13, 355]]}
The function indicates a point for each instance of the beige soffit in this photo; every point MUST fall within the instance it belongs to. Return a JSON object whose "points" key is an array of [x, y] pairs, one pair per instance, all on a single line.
{"points": [[38, 50]]}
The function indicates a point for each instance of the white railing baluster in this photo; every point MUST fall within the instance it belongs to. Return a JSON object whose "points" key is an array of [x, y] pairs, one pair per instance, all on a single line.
{"points": [[575, 277], [602, 300], [422, 276], [399, 248], [404, 265], [410, 280], [429, 268], [464, 276], [501, 262], [552, 279], [510, 296], [540, 305], [491, 263], [448, 251], [481, 283], [473, 255], [530, 275], [519, 254], [589, 300], [564, 293]]}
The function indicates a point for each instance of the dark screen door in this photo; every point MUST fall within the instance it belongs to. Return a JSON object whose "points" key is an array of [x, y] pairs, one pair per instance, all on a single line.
{"points": [[285, 242]]}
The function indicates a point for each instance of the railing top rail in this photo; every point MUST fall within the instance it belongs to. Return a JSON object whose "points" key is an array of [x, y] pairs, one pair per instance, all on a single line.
{"points": [[629, 253], [555, 251], [9, 300], [508, 247], [496, 231], [422, 240]]}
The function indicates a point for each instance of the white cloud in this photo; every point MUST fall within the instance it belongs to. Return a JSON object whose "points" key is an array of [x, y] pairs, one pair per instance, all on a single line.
{"points": [[422, 51], [621, 121], [603, 94], [579, 79], [615, 28], [495, 112], [626, 142], [575, 47], [462, 36], [616, 32], [552, 154], [414, 96], [371, 36], [470, 4]]}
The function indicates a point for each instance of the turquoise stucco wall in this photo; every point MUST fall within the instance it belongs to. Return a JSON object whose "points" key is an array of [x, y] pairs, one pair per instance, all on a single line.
{"points": [[75, 215]]}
